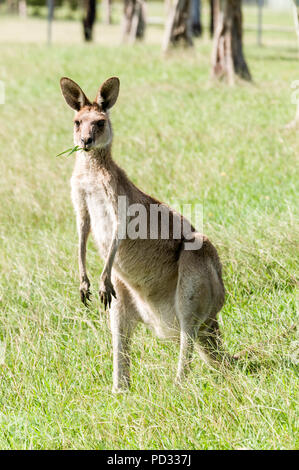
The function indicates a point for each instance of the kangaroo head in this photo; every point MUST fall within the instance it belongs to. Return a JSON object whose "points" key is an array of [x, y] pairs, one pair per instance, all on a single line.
{"points": [[92, 127]]}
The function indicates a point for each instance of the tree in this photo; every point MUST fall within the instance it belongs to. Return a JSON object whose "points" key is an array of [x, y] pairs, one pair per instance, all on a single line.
{"points": [[89, 18], [227, 57], [12, 6], [134, 22], [23, 8], [196, 17], [178, 25], [212, 17], [106, 11], [296, 16], [295, 121]]}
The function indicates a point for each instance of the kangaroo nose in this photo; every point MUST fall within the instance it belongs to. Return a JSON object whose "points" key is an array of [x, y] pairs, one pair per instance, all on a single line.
{"points": [[86, 141]]}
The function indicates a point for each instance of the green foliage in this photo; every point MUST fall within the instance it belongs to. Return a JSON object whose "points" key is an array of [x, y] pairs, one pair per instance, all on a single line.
{"points": [[69, 151], [41, 3], [179, 137]]}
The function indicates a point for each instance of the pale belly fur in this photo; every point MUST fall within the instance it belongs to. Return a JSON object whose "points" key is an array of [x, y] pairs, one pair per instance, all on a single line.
{"points": [[157, 310], [101, 218]]}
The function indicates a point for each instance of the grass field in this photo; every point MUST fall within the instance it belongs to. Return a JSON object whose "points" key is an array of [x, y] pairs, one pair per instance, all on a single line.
{"points": [[179, 136]]}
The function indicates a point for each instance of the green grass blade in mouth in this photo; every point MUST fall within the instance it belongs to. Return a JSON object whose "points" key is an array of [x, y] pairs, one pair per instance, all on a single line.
{"points": [[70, 151]]}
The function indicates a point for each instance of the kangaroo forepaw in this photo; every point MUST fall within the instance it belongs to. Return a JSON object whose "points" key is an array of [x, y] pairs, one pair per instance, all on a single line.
{"points": [[85, 293], [106, 298], [106, 292]]}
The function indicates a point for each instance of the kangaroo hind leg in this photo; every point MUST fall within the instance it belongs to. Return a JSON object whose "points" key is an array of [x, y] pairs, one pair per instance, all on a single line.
{"points": [[199, 296], [192, 296], [123, 320]]}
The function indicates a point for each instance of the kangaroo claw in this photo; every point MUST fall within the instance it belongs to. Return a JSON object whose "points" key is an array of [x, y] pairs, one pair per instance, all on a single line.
{"points": [[106, 293], [85, 293]]}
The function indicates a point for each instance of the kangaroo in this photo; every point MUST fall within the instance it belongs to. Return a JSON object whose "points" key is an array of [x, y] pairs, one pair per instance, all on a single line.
{"points": [[176, 291]]}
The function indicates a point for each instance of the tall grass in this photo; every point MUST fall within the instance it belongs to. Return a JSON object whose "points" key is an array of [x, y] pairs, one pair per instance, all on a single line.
{"points": [[179, 137]]}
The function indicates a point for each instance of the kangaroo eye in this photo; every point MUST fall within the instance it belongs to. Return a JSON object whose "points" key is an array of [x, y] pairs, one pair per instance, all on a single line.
{"points": [[77, 123], [101, 123]]}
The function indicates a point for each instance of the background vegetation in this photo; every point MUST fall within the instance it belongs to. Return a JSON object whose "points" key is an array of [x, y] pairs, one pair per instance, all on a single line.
{"points": [[178, 136]]}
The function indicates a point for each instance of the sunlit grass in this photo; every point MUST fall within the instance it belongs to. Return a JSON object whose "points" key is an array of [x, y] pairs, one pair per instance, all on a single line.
{"points": [[179, 136]]}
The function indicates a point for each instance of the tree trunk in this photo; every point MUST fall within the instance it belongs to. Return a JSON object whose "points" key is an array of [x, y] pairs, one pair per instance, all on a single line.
{"points": [[23, 8], [196, 18], [51, 5], [228, 58], [178, 25], [12, 6], [295, 121], [89, 19], [212, 6], [134, 22], [107, 11], [296, 17]]}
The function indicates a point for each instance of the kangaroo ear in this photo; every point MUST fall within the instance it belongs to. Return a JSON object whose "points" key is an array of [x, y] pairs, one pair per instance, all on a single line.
{"points": [[73, 94], [108, 93]]}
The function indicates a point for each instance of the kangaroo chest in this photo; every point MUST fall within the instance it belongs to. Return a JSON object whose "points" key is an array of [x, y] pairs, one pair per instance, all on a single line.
{"points": [[100, 210], [101, 218]]}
